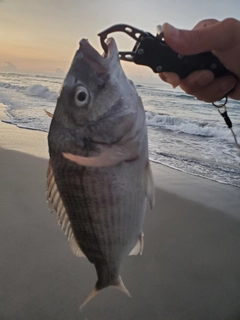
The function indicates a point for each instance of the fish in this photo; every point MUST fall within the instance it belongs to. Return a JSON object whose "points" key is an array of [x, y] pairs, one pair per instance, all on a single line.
{"points": [[99, 178]]}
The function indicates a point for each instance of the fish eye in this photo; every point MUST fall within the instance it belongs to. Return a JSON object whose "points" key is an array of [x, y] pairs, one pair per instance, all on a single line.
{"points": [[81, 96]]}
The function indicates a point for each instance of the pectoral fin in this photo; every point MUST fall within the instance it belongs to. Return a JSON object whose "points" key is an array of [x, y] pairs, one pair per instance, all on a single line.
{"points": [[109, 156], [48, 113]]}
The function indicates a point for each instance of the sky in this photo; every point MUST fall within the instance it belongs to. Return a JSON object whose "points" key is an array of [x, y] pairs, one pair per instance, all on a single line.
{"points": [[41, 36]]}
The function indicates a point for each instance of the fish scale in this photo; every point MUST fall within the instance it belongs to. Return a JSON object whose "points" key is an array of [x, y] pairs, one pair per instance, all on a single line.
{"points": [[99, 176]]}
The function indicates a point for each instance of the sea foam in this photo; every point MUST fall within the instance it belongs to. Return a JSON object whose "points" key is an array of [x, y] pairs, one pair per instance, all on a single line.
{"points": [[41, 91], [189, 126]]}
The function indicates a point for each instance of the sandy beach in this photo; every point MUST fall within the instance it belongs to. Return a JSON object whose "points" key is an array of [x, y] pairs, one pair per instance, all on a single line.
{"points": [[189, 270]]}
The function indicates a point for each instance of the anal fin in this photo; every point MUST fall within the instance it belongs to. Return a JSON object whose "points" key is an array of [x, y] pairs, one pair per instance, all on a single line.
{"points": [[138, 248], [150, 188]]}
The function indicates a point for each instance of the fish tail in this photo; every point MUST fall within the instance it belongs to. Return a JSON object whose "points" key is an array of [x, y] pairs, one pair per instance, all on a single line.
{"points": [[120, 286], [94, 292], [117, 284]]}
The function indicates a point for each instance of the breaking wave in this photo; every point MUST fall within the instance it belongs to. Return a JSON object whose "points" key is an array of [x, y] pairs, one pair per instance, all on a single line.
{"points": [[188, 126], [11, 86], [184, 133], [41, 91], [36, 90]]}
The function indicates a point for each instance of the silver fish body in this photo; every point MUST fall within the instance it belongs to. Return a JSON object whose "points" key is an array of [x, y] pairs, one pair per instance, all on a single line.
{"points": [[99, 177]]}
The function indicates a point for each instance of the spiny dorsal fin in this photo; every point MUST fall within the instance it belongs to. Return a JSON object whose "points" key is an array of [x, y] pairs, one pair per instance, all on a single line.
{"points": [[55, 203]]}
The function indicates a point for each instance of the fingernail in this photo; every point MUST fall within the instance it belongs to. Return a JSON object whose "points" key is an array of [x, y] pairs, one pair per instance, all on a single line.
{"points": [[228, 84], [171, 78], [170, 31]]}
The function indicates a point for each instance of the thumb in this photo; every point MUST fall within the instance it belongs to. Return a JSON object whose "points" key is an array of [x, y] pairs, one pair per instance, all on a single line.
{"points": [[213, 37]]}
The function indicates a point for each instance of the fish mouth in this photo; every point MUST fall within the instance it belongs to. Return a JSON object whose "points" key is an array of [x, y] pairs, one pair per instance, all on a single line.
{"points": [[112, 47], [92, 55]]}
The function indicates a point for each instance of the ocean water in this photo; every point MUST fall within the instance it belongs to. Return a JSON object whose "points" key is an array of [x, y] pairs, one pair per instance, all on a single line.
{"points": [[184, 133]]}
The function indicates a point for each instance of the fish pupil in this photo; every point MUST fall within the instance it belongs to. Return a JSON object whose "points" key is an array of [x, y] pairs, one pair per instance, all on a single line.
{"points": [[82, 96]]}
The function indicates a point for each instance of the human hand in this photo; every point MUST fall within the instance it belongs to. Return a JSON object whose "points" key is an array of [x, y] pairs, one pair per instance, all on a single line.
{"points": [[223, 40]]}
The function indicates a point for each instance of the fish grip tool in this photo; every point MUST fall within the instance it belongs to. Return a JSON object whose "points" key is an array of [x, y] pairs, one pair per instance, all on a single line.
{"points": [[153, 51]]}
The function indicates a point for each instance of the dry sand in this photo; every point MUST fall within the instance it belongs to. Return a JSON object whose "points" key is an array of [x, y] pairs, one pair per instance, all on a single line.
{"points": [[190, 268]]}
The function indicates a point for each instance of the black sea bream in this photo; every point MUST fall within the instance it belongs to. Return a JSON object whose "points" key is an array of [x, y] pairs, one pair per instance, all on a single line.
{"points": [[99, 177]]}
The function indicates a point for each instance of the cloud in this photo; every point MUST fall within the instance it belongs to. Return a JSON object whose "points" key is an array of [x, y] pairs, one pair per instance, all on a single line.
{"points": [[8, 66]]}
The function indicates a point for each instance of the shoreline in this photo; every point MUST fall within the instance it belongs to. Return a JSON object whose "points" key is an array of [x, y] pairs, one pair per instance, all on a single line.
{"points": [[189, 268], [32, 142], [220, 196]]}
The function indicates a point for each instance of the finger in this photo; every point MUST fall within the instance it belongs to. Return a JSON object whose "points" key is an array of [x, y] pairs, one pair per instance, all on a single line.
{"points": [[235, 93], [196, 81], [216, 90], [214, 37], [205, 23], [170, 77]]}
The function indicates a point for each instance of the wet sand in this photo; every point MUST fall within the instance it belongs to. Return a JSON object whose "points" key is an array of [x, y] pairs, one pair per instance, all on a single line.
{"points": [[189, 270], [29, 141]]}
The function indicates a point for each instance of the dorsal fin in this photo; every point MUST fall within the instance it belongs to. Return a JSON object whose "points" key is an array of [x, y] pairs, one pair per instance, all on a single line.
{"points": [[55, 204]]}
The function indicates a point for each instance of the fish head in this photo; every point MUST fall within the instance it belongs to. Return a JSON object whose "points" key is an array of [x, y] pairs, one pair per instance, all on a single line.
{"points": [[96, 97]]}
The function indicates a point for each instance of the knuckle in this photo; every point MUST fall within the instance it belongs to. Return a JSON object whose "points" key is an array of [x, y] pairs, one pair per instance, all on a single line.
{"points": [[205, 23], [229, 23], [230, 27], [190, 38]]}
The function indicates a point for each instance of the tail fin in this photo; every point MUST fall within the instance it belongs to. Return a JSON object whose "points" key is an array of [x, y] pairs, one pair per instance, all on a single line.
{"points": [[120, 285], [90, 297]]}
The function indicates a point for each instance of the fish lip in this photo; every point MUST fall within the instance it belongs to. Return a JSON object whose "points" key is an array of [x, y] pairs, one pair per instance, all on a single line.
{"points": [[88, 51], [91, 54], [112, 48]]}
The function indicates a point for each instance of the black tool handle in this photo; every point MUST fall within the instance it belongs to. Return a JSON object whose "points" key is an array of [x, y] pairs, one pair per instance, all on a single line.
{"points": [[157, 55]]}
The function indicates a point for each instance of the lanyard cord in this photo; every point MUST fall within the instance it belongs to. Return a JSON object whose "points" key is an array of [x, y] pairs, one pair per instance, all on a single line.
{"points": [[226, 118], [235, 138]]}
